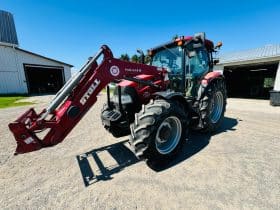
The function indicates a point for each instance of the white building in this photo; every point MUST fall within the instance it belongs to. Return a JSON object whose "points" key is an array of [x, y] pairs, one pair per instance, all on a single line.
{"points": [[253, 73], [25, 72]]}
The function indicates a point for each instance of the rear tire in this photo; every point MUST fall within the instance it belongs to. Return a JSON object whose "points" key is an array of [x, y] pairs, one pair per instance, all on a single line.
{"points": [[213, 105], [159, 130]]}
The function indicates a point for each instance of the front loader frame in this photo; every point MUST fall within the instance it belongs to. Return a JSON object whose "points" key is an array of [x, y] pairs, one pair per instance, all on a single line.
{"points": [[75, 98]]}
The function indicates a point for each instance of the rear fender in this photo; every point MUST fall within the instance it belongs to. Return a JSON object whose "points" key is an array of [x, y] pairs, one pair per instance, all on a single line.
{"points": [[211, 76], [207, 80]]}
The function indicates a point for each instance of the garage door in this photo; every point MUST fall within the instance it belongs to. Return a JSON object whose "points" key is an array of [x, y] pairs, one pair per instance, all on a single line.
{"points": [[43, 79], [250, 81]]}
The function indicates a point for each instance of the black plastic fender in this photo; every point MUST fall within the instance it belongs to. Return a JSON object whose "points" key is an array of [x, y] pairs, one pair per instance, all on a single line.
{"points": [[171, 95]]}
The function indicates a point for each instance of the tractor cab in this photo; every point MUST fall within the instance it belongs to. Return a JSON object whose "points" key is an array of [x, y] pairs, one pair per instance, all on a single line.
{"points": [[187, 60]]}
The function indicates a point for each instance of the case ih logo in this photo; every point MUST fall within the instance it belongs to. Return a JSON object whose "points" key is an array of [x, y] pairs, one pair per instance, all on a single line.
{"points": [[91, 89], [115, 71]]}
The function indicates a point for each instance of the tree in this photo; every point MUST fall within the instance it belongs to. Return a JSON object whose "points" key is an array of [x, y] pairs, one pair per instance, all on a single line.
{"points": [[135, 59], [124, 57], [147, 59]]}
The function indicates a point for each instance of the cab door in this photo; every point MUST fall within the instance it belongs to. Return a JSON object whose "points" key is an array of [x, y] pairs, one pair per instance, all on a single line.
{"points": [[198, 65]]}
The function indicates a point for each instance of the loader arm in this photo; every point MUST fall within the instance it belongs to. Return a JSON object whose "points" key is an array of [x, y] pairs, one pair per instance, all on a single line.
{"points": [[74, 99]]}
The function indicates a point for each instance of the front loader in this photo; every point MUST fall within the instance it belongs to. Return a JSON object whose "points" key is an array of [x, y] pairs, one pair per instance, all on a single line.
{"points": [[155, 104]]}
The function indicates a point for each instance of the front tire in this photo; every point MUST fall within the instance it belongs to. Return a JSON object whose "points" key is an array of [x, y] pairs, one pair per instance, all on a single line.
{"points": [[159, 130]]}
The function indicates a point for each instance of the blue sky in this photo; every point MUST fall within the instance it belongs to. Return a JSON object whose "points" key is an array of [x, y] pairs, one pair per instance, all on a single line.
{"points": [[72, 30]]}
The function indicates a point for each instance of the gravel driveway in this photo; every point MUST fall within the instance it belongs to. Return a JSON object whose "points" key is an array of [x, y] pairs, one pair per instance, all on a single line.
{"points": [[236, 168]]}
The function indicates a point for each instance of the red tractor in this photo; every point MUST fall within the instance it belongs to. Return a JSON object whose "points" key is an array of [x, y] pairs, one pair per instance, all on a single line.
{"points": [[156, 104]]}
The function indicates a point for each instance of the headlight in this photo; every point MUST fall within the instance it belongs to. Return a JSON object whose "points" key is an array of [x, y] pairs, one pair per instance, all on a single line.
{"points": [[126, 99]]}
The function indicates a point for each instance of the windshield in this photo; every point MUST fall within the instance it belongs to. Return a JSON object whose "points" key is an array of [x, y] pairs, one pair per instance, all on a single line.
{"points": [[169, 58]]}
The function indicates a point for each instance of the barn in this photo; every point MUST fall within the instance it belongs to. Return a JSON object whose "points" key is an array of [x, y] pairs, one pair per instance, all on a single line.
{"points": [[25, 72], [253, 73]]}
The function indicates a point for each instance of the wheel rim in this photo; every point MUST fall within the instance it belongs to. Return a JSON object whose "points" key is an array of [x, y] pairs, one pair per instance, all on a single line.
{"points": [[216, 107], [168, 135]]}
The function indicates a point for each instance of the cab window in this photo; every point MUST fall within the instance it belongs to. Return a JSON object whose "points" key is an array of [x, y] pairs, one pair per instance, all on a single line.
{"points": [[199, 64]]}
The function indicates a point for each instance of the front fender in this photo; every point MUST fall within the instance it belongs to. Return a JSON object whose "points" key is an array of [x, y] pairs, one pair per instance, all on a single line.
{"points": [[173, 96], [168, 94]]}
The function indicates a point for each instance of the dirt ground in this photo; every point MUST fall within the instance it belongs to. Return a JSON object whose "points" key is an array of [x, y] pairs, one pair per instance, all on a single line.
{"points": [[236, 168]]}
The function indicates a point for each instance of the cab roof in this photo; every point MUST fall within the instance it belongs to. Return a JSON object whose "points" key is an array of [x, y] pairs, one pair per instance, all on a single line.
{"points": [[208, 44]]}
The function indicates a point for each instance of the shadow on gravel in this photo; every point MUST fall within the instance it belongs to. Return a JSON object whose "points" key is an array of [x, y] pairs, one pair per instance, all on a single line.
{"points": [[94, 169], [197, 141]]}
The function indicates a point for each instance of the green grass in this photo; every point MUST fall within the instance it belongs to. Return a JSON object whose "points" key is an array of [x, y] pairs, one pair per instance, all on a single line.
{"points": [[11, 101]]}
